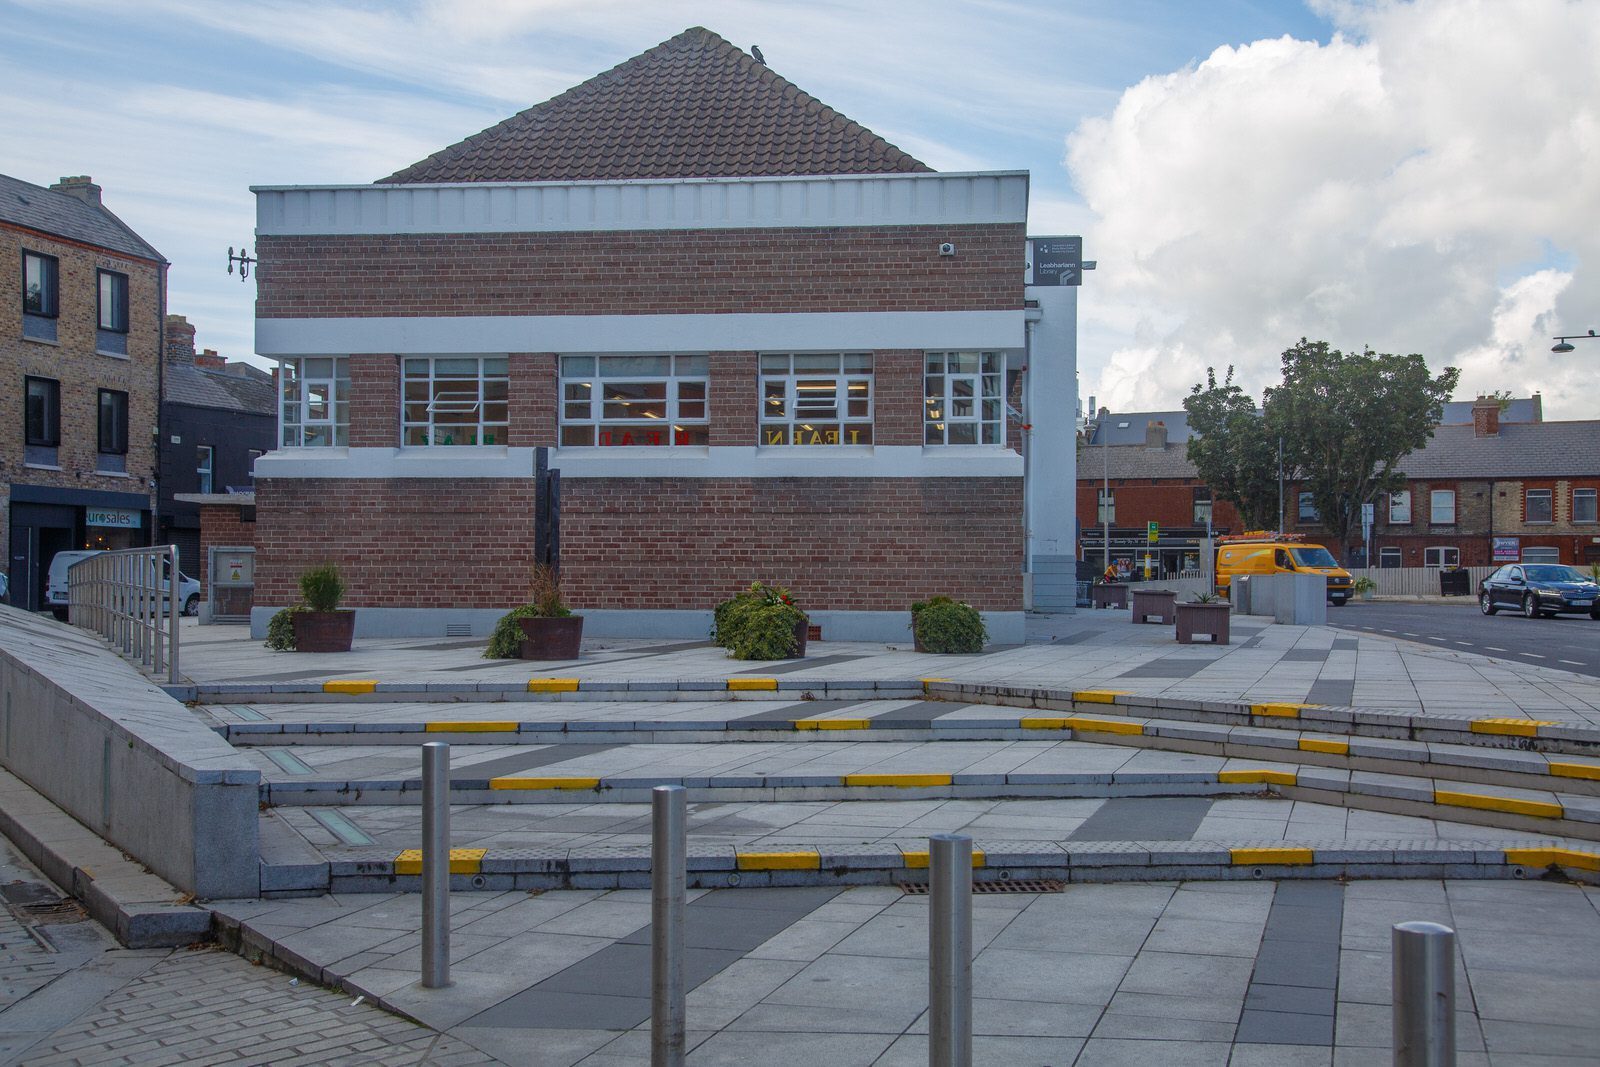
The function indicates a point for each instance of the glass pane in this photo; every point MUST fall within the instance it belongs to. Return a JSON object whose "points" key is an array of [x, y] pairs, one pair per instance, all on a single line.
{"points": [[933, 433], [858, 362], [691, 390], [816, 398], [775, 364], [935, 363], [962, 362], [494, 390], [774, 435], [691, 435], [414, 436], [573, 366], [858, 409], [816, 433], [643, 366], [773, 406], [815, 362], [933, 386], [494, 411], [317, 435], [692, 409], [578, 412], [961, 398], [415, 368], [992, 410], [415, 412], [993, 363], [341, 389], [578, 391], [858, 434], [684, 366], [341, 433], [628, 436], [495, 366], [317, 400], [323, 368], [418, 391], [962, 433], [991, 433], [991, 385], [455, 368], [577, 436]]}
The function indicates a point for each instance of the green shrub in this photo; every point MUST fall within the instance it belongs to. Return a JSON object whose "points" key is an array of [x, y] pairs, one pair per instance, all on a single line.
{"points": [[506, 641], [280, 629], [322, 588], [945, 625], [758, 623]]}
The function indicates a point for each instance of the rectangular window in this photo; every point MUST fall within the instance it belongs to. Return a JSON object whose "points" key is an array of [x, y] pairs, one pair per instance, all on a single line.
{"points": [[1400, 507], [315, 407], [1440, 557], [649, 401], [1202, 505], [113, 301], [43, 413], [1537, 554], [1308, 508], [1388, 557], [816, 399], [1540, 505], [1583, 505], [454, 400], [204, 459], [963, 398], [113, 423], [40, 296], [1442, 507], [1108, 506]]}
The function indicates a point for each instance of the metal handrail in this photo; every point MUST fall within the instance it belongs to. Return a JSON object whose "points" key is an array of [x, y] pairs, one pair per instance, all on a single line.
{"points": [[120, 596]]}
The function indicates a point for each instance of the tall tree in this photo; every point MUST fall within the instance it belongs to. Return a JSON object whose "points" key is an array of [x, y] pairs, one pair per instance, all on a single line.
{"points": [[1347, 420], [1232, 451]]}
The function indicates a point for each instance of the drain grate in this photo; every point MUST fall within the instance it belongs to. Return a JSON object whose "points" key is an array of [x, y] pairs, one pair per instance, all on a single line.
{"points": [[458, 629], [1006, 886]]}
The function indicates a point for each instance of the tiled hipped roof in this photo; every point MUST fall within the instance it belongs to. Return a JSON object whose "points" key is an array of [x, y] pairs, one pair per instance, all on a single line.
{"points": [[691, 107]]}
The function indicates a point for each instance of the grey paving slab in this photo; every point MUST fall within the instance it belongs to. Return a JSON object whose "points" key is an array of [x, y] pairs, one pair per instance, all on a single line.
{"points": [[1144, 819]]}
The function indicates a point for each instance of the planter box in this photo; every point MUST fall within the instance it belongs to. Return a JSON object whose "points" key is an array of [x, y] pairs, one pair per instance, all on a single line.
{"points": [[551, 638], [323, 631], [1112, 595], [1209, 619], [1154, 605]]}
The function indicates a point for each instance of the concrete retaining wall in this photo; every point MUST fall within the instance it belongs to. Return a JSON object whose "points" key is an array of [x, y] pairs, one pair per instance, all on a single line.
{"points": [[108, 747]]}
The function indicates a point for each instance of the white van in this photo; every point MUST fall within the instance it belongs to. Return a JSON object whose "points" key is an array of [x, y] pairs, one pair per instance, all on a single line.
{"points": [[55, 588]]}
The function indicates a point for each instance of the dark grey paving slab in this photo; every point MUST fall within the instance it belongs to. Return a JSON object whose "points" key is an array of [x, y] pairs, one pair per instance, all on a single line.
{"points": [[803, 709], [548, 1009], [1305, 655], [1345, 644], [913, 716], [1334, 692], [526, 761], [790, 666], [1144, 819], [1168, 667], [1283, 1028]]}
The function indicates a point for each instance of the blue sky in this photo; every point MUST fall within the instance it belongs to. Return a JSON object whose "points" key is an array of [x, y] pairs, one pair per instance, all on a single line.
{"points": [[177, 106]]}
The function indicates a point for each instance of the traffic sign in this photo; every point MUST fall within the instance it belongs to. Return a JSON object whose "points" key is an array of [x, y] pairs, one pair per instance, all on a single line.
{"points": [[1152, 532]]}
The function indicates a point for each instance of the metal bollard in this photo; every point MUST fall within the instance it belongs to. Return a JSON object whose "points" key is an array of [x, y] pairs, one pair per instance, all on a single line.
{"points": [[950, 950], [435, 865], [668, 873], [1424, 995]]}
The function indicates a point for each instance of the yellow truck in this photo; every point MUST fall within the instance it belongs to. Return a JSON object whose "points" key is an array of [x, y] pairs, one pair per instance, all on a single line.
{"points": [[1269, 553]]}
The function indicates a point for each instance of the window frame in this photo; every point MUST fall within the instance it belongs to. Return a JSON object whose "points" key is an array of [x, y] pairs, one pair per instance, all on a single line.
{"points": [[600, 429], [1539, 552], [843, 379], [205, 468], [1105, 506], [1391, 552], [939, 421], [118, 438], [1306, 509], [51, 417], [1434, 496], [1548, 497], [1204, 506], [336, 424], [484, 430], [1455, 556], [119, 300], [1400, 507], [1592, 495], [53, 290]]}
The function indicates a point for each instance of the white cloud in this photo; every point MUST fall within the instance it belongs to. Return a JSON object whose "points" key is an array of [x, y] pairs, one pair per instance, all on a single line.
{"points": [[1425, 182]]}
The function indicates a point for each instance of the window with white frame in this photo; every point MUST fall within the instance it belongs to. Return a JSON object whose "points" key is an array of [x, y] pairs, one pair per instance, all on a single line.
{"points": [[1442, 507], [1400, 507], [204, 464], [816, 398], [314, 395], [964, 398], [454, 400], [1308, 508], [1540, 554], [650, 401], [1442, 556], [1539, 506], [1389, 558], [1108, 505], [1202, 505], [1583, 505]]}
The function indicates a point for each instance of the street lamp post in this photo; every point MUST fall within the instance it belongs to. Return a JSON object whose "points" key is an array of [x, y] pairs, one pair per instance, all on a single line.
{"points": [[1564, 343]]}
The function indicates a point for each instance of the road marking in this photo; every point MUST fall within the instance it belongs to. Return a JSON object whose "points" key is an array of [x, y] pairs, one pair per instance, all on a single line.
{"points": [[1531, 655], [1464, 644], [1404, 634], [1388, 631], [1491, 648], [1571, 662]]}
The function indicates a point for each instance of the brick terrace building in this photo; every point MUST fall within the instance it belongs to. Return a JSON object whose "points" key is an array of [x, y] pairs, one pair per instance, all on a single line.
{"points": [[762, 342], [81, 312]]}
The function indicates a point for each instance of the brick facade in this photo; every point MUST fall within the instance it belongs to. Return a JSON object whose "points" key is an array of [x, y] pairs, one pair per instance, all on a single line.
{"points": [[374, 400], [532, 403], [224, 525], [642, 272]]}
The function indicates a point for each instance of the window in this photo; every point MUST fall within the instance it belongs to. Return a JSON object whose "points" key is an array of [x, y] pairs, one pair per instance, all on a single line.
{"points": [[40, 296], [1308, 509], [204, 459], [816, 399], [1108, 506], [1442, 507], [1202, 506], [1539, 506], [1532, 554], [112, 335], [315, 408], [651, 401], [1388, 557], [43, 413], [113, 423], [964, 399], [1441, 557], [1583, 505], [1400, 508], [454, 400]]}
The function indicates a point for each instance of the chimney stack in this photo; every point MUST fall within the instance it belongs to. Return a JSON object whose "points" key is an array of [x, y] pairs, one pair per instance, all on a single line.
{"points": [[1486, 417], [1155, 435], [81, 187], [180, 340], [209, 360]]}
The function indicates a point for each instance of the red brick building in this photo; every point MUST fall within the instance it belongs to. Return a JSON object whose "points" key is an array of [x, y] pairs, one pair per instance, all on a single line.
{"points": [[762, 343]]}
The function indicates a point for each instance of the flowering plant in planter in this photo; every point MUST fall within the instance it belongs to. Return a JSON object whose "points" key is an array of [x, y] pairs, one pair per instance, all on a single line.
{"points": [[946, 625], [559, 636], [761, 622], [318, 625]]}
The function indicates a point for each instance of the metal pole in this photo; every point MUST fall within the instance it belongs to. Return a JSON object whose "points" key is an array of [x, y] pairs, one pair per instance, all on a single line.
{"points": [[435, 865], [1105, 492], [668, 865], [173, 608], [1280, 485], [950, 951], [1424, 995]]}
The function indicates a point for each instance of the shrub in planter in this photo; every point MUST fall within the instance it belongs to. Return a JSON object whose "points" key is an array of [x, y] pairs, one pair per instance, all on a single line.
{"points": [[319, 625], [762, 622], [543, 628], [944, 624], [280, 629]]}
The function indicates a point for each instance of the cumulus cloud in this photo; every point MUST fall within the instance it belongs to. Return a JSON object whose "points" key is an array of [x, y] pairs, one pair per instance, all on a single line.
{"points": [[1427, 181]]}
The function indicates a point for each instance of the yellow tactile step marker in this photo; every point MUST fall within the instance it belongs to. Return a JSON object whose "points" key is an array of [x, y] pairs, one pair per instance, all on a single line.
{"points": [[832, 724], [1511, 727], [1257, 776], [552, 685], [899, 781], [752, 685], [350, 685], [462, 861], [1560, 857], [1539, 809], [917, 860], [1097, 696], [1279, 710], [512, 781], [1561, 769], [809, 860], [1103, 726], [471, 728], [1281, 856], [1332, 745]]}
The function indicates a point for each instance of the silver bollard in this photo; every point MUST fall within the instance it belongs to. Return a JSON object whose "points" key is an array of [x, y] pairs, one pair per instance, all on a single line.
{"points": [[669, 822], [950, 950], [435, 865], [1424, 995]]}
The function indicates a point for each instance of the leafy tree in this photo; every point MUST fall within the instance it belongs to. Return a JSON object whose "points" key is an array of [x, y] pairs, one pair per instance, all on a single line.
{"points": [[1348, 419], [1232, 450]]}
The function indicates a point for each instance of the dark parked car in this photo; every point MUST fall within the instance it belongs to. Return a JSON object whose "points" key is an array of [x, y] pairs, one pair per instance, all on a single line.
{"points": [[1537, 589]]}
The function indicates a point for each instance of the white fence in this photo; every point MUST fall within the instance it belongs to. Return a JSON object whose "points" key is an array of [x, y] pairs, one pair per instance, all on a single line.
{"points": [[1417, 581]]}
